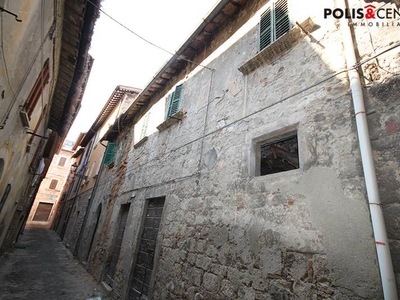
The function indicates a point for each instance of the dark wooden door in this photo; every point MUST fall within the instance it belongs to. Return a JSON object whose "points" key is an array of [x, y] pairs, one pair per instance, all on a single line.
{"points": [[117, 244], [145, 258], [43, 212]]}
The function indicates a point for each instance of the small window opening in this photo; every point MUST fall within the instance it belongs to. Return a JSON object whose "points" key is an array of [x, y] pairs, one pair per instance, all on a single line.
{"points": [[62, 161], [53, 184], [279, 156]]}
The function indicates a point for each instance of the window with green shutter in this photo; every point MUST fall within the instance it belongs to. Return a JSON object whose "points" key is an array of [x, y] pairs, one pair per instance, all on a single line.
{"points": [[274, 22], [175, 101], [109, 156]]}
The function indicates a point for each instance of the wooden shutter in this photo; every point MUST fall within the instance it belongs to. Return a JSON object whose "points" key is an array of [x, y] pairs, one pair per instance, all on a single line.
{"points": [[109, 156], [274, 23], [282, 22], [175, 100], [145, 125], [37, 88], [266, 29]]}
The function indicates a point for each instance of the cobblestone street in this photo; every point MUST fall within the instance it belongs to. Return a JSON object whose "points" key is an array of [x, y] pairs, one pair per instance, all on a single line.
{"points": [[42, 268]]}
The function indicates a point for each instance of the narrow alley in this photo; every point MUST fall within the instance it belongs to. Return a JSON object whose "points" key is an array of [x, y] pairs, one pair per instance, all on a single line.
{"points": [[199, 150], [41, 267]]}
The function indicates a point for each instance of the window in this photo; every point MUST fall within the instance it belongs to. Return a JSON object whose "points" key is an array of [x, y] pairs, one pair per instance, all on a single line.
{"points": [[175, 101], [277, 155], [37, 89], [62, 161], [109, 156], [53, 184], [145, 125], [274, 22]]}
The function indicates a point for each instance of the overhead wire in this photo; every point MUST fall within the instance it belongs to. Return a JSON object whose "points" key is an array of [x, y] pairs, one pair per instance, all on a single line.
{"points": [[356, 66], [6, 70], [24, 78], [42, 83], [145, 40]]}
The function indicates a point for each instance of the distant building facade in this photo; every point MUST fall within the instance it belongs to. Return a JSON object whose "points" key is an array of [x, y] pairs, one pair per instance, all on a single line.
{"points": [[50, 189], [244, 170], [90, 149]]}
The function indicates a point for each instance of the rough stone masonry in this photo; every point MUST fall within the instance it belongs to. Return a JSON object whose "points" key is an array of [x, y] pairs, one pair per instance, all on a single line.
{"points": [[227, 233]]}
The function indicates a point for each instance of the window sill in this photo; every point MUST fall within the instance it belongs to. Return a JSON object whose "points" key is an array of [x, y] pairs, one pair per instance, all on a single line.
{"points": [[278, 47], [171, 121], [109, 165], [141, 142], [286, 175]]}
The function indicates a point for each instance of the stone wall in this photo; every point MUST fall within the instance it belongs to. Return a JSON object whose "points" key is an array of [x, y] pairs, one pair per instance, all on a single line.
{"points": [[76, 217], [229, 234], [381, 81]]}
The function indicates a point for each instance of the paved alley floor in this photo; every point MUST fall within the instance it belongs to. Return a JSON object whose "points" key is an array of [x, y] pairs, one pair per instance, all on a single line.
{"points": [[41, 268]]}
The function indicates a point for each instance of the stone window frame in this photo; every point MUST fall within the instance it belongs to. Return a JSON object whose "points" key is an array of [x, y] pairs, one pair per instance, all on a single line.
{"points": [[274, 135], [279, 47]]}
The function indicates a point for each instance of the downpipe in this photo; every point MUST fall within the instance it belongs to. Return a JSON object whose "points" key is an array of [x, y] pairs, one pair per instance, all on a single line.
{"points": [[375, 207]]}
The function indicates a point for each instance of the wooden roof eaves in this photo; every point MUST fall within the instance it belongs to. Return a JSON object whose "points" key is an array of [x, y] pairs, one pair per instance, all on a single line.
{"points": [[200, 36], [111, 103]]}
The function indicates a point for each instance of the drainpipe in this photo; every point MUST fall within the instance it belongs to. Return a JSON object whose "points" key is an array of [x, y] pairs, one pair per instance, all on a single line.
{"points": [[375, 207]]}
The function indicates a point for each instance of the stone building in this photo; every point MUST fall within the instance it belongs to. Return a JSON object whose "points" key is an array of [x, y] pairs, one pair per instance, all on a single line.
{"points": [[76, 199], [48, 195], [255, 183], [44, 70]]}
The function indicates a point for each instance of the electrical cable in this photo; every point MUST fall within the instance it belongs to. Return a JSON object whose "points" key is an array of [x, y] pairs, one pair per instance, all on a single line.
{"points": [[24, 78], [132, 169], [42, 9], [6, 70], [142, 38]]}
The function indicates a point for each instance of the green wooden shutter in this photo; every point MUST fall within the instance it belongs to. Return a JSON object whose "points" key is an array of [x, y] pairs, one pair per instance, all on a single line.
{"points": [[266, 29], [175, 102], [274, 23], [282, 22], [109, 156]]}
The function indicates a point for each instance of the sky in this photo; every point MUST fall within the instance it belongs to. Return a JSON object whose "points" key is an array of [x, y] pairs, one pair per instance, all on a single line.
{"points": [[121, 58]]}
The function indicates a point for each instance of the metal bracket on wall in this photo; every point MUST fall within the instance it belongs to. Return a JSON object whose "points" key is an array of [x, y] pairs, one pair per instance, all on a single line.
{"points": [[11, 13]]}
